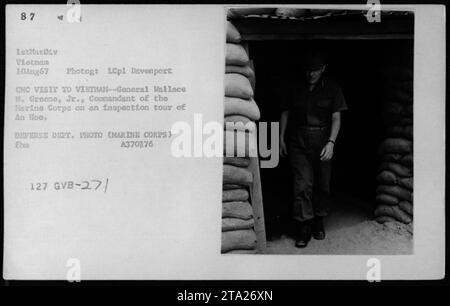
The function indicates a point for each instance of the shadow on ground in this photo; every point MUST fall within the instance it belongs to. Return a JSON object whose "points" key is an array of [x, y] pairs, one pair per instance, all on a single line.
{"points": [[350, 230]]}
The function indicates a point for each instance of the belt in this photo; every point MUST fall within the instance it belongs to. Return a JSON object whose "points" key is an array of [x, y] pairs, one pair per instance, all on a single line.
{"points": [[314, 128]]}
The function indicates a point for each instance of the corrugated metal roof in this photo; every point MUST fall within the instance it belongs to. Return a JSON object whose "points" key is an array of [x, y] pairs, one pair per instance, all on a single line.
{"points": [[311, 14]]}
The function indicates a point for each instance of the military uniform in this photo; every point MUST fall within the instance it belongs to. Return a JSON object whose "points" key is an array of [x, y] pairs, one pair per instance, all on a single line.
{"points": [[308, 131]]}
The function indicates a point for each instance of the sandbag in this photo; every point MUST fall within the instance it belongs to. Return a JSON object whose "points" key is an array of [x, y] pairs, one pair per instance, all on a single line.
{"points": [[238, 240], [404, 121], [233, 35], [408, 110], [234, 224], [246, 71], [239, 123], [232, 186], [407, 160], [394, 108], [398, 169], [233, 195], [394, 190], [407, 182], [384, 219], [406, 207], [291, 12], [247, 108], [241, 210], [387, 178], [404, 85], [237, 161], [391, 120], [394, 212], [239, 119], [405, 131], [391, 157], [238, 86], [239, 144], [401, 96], [397, 120], [396, 145], [241, 252], [233, 13], [236, 55], [236, 175], [386, 199], [252, 78]]}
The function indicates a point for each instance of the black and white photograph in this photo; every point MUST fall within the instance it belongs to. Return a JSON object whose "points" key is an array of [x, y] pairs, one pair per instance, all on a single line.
{"points": [[223, 142], [340, 84]]}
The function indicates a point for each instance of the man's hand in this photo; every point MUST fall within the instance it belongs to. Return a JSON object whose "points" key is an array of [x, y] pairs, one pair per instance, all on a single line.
{"points": [[283, 148], [327, 152]]}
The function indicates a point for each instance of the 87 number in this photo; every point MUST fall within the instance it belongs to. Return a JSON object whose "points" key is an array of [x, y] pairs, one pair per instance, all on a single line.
{"points": [[23, 16]]}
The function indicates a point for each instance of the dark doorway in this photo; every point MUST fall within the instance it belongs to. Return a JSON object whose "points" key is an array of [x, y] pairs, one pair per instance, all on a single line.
{"points": [[355, 65]]}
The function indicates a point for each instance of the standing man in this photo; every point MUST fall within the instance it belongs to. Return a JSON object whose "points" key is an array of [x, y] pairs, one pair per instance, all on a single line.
{"points": [[309, 128]]}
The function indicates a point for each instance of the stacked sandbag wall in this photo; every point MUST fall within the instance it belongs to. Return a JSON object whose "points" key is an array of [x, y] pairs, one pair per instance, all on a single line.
{"points": [[242, 12], [281, 12], [394, 194], [238, 218]]}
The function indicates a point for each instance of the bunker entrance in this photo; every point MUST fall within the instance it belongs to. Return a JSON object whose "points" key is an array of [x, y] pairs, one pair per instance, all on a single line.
{"points": [[358, 68], [372, 163]]}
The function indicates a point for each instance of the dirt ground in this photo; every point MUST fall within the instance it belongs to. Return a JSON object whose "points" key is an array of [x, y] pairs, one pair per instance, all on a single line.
{"points": [[349, 231]]}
